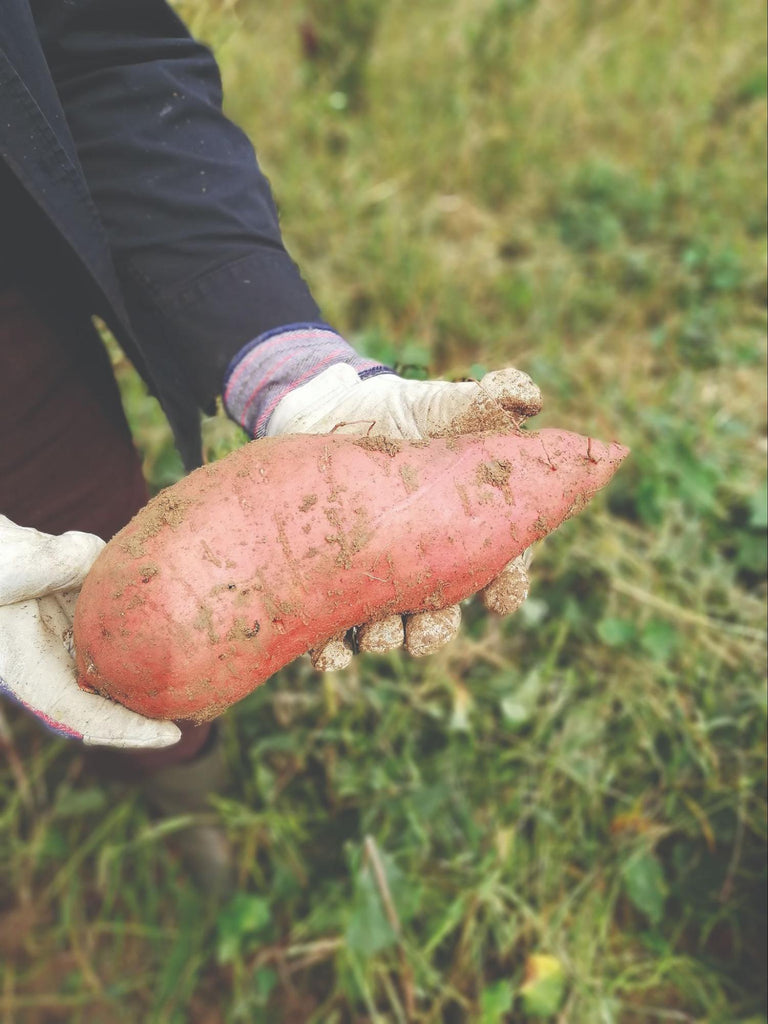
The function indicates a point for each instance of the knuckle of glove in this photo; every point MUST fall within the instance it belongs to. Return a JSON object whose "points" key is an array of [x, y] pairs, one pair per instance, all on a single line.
{"points": [[334, 655], [427, 632], [514, 390], [509, 590], [382, 635]]}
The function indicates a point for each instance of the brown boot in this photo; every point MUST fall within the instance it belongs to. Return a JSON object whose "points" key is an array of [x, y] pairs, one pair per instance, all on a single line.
{"points": [[177, 781], [184, 789]]}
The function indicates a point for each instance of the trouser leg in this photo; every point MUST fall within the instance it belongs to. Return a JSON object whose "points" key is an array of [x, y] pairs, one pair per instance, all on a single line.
{"points": [[67, 459]]}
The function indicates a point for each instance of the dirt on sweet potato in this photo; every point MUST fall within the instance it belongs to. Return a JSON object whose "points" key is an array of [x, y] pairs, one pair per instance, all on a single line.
{"points": [[257, 558]]}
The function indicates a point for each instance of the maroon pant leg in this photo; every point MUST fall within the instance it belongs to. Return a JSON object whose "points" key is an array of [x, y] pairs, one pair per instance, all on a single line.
{"points": [[67, 459]]}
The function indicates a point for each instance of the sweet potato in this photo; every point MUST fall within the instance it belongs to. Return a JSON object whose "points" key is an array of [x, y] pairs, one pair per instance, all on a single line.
{"points": [[247, 563]]}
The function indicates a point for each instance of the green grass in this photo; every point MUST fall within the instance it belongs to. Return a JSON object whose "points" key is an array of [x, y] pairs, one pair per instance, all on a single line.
{"points": [[562, 816]]}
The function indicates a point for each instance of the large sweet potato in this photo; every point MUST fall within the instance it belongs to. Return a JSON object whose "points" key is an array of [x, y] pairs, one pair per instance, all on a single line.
{"points": [[245, 564]]}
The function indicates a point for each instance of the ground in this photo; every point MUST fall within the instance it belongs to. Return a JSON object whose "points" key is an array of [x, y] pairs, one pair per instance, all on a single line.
{"points": [[562, 816]]}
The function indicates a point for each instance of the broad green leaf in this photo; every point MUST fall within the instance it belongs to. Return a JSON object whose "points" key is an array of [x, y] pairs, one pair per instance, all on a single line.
{"points": [[659, 638], [752, 552], [264, 980], [515, 712], [758, 509], [645, 885], [616, 632], [544, 986], [368, 930], [242, 918], [495, 1002]]}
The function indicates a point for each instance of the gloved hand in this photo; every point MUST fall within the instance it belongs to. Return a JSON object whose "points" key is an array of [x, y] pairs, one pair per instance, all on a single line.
{"points": [[338, 401], [40, 577]]}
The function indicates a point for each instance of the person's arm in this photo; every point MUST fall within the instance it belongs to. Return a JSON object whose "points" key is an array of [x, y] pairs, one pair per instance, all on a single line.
{"points": [[190, 218], [191, 221]]}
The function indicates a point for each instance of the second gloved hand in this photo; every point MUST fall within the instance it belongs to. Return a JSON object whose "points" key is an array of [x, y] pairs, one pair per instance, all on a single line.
{"points": [[338, 401], [40, 578]]}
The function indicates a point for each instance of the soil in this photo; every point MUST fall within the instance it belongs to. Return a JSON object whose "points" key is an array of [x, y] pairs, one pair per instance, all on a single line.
{"points": [[379, 443], [244, 630], [166, 509], [497, 474], [410, 478], [504, 401], [350, 541]]}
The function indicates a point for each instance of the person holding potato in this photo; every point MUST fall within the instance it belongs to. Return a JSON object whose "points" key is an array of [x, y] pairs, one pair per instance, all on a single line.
{"points": [[125, 193]]}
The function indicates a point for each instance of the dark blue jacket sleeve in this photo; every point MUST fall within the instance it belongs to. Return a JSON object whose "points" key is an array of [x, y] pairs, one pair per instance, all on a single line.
{"points": [[191, 222]]}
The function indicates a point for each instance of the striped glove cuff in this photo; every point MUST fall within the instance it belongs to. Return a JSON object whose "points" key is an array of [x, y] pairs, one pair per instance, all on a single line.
{"points": [[267, 368]]}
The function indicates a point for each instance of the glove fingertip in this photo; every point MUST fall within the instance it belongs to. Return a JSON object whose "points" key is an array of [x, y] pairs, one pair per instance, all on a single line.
{"points": [[382, 635], [427, 632], [505, 594], [333, 656], [153, 736]]}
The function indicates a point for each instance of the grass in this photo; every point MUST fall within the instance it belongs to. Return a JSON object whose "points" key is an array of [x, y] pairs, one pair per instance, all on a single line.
{"points": [[562, 816]]}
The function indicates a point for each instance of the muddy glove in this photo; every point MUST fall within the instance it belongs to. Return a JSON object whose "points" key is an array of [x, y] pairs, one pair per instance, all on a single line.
{"points": [[304, 378], [338, 401], [265, 391], [40, 578]]}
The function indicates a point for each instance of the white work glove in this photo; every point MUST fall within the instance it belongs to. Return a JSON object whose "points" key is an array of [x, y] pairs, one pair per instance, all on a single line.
{"points": [[338, 401], [40, 578]]}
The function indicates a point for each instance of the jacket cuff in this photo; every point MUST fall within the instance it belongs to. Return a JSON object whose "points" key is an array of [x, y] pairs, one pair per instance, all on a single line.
{"points": [[266, 369]]}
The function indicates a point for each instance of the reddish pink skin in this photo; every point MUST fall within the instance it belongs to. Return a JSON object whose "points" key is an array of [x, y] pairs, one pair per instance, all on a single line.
{"points": [[287, 542]]}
